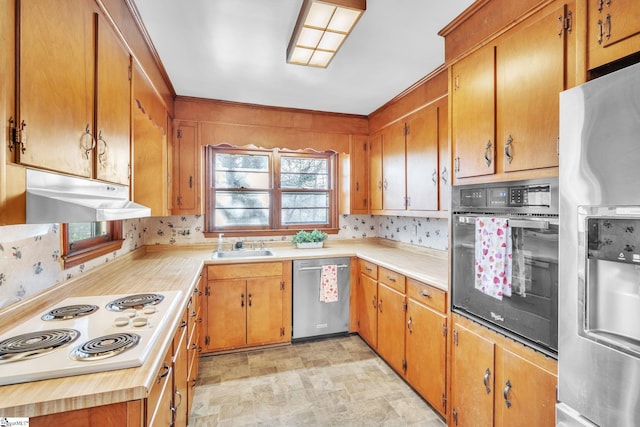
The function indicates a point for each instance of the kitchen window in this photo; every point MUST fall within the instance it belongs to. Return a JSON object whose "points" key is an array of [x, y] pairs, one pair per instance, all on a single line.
{"points": [[83, 241], [270, 191]]}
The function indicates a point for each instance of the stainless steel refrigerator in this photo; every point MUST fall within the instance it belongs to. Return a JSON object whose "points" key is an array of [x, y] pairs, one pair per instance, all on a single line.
{"points": [[599, 263]]}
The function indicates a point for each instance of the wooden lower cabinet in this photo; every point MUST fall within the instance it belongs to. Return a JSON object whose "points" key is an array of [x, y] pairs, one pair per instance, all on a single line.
{"points": [[125, 414], [405, 322], [496, 381], [248, 305], [160, 401]]}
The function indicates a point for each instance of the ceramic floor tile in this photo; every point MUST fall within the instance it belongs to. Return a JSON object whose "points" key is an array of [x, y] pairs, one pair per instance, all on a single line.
{"points": [[333, 382]]}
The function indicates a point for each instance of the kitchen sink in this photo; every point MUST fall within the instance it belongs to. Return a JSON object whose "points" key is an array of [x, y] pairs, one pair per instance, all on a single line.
{"points": [[246, 253]]}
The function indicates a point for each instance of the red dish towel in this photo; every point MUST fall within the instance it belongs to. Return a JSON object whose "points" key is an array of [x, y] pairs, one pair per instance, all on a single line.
{"points": [[329, 283]]}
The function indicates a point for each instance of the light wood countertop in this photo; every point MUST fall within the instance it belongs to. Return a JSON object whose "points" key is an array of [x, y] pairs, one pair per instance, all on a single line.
{"points": [[169, 268]]}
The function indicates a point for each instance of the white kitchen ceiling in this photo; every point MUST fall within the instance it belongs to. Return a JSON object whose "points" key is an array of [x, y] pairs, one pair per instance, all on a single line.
{"points": [[235, 50]]}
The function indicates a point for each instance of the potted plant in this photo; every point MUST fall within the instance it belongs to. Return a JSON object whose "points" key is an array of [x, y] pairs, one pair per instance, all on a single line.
{"points": [[309, 239]]}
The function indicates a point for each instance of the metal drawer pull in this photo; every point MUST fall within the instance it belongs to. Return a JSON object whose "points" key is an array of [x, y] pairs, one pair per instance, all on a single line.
{"points": [[166, 369], [391, 279], [320, 267], [369, 269], [505, 394], [485, 380], [425, 293]]}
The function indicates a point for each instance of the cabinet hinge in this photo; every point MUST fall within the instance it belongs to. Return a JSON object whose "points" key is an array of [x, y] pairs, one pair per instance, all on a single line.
{"points": [[179, 133], [282, 331], [129, 171], [454, 415], [568, 22], [444, 402], [404, 306], [407, 129], [207, 291], [207, 340], [130, 73], [364, 147], [17, 137], [455, 337], [282, 285], [444, 330], [404, 366]]}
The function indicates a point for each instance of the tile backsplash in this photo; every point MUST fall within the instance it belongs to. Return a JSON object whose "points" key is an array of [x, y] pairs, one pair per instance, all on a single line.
{"points": [[30, 255]]}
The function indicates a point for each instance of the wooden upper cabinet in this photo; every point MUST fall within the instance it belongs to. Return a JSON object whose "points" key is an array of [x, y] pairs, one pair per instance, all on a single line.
{"points": [[473, 121], [422, 159], [529, 82], [68, 75], [113, 106], [185, 164], [56, 85], [375, 171], [393, 167], [444, 157], [359, 199], [613, 30]]}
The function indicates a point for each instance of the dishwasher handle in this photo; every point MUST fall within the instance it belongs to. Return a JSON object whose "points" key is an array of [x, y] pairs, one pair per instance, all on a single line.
{"points": [[320, 267]]}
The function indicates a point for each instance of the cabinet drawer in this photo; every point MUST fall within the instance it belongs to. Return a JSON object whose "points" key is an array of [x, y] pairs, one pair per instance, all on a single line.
{"points": [[427, 295], [391, 279], [242, 271], [158, 389], [369, 269]]}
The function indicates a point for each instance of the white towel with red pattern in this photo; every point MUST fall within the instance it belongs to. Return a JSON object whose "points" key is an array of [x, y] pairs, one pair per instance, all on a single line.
{"points": [[493, 260], [329, 283]]}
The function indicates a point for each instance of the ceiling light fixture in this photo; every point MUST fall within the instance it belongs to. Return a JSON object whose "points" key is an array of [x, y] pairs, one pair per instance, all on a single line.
{"points": [[321, 29]]}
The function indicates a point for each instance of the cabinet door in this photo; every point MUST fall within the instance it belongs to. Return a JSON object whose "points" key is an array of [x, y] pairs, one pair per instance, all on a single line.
{"points": [[375, 171], [180, 378], [444, 158], [529, 82], [526, 393], [113, 107], [393, 167], [265, 310], [473, 112], [56, 84], [614, 30], [472, 378], [359, 175], [185, 170], [422, 160], [368, 310], [426, 348], [226, 314], [391, 326]]}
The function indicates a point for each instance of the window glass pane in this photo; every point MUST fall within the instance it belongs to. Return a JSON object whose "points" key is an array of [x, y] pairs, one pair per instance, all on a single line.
{"points": [[237, 208], [305, 208], [241, 171], [86, 230], [300, 172]]}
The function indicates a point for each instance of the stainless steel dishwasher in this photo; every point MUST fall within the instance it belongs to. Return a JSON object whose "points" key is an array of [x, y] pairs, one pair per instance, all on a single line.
{"points": [[312, 317]]}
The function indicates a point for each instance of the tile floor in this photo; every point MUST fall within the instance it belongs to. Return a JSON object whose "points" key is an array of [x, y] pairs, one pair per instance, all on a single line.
{"points": [[333, 382]]}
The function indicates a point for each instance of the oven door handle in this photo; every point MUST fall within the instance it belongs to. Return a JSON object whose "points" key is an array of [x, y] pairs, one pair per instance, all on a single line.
{"points": [[537, 224]]}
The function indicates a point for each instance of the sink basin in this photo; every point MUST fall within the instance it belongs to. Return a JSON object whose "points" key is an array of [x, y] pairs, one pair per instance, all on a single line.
{"points": [[246, 253]]}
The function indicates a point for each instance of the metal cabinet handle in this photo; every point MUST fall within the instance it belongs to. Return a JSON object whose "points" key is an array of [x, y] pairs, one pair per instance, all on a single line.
{"points": [[379, 185], [180, 401], [386, 184], [92, 144], [183, 324], [193, 313], [487, 153], [444, 175], [425, 293], [456, 164], [373, 302], [102, 155], [507, 149], [369, 269], [250, 300], [165, 372], [505, 394], [434, 177], [242, 300], [191, 181], [485, 380], [194, 346], [380, 305], [391, 279], [410, 324]]}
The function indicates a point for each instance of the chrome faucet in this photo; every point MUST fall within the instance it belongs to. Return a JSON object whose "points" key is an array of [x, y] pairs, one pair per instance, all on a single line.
{"points": [[220, 248]]}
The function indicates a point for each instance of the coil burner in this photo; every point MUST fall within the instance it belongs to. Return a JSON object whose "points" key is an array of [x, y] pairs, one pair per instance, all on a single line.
{"points": [[137, 302], [34, 344], [105, 346], [69, 312]]}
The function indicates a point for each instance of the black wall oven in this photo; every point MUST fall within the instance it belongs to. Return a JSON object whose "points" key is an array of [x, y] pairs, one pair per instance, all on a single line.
{"points": [[505, 259]]}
